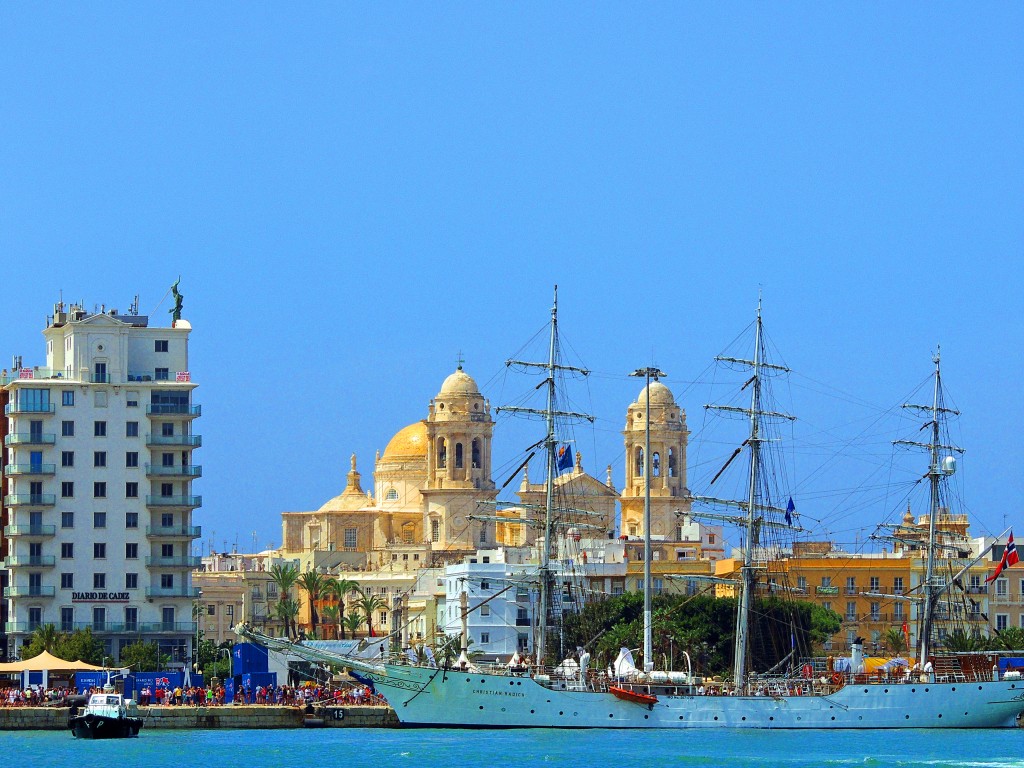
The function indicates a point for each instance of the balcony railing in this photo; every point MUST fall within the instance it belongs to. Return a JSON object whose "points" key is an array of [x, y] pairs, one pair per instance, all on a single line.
{"points": [[30, 530], [830, 590], [30, 500], [100, 378], [131, 627], [25, 591], [175, 531], [189, 592], [174, 409], [173, 562], [850, 590], [183, 470], [21, 627], [189, 441], [30, 469], [32, 561], [174, 501], [13, 408], [30, 438]]}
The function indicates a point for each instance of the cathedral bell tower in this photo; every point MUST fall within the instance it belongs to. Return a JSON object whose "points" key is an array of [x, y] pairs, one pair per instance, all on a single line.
{"points": [[459, 430], [669, 436]]}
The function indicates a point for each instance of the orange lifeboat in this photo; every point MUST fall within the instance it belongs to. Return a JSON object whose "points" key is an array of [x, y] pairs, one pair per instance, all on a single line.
{"points": [[634, 696]]}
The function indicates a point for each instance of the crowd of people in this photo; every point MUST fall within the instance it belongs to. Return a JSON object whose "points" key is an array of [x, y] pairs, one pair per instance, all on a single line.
{"points": [[34, 696], [279, 695]]}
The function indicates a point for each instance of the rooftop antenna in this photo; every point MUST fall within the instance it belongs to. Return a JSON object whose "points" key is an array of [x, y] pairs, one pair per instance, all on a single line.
{"points": [[134, 309]]}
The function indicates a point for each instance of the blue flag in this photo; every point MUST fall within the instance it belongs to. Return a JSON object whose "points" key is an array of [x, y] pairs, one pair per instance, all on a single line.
{"points": [[563, 458], [790, 509]]}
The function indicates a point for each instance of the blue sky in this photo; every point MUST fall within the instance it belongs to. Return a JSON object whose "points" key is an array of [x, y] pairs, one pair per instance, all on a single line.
{"points": [[353, 194]]}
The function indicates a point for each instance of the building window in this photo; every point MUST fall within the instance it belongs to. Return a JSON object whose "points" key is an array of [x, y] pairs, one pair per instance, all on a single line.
{"points": [[99, 429], [897, 585], [67, 397], [99, 458], [131, 551], [166, 489], [167, 520], [1002, 621], [391, 495], [132, 400], [67, 458], [67, 489], [67, 519], [99, 490], [67, 429], [131, 519], [851, 611], [131, 490], [131, 429], [166, 550], [99, 519], [485, 638], [131, 619], [383, 618], [897, 610], [458, 455], [1002, 586], [485, 610], [162, 374], [99, 551], [99, 581], [67, 550], [131, 581], [801, 583], [160, 345], [876, 612], [523, 641], [211, 610], [67, 581], [435, 530], [229, 611], [167, 429], [874, 584], [67, 619], [167, 580], [442, 453], [483, 533], [351, 538], [131, 458]]}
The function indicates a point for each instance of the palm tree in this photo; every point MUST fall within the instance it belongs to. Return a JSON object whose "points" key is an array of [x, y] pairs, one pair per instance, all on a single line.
{"points": [[894, 640], [368, 604], [340, 589], [330, 613], [962, 642], [286, 610], [313, 583], [284, 576], [1010, 639], [352, 622]]}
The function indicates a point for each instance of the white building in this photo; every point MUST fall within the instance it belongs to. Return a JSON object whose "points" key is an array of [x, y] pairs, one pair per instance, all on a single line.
{"points": [[98, 474]]}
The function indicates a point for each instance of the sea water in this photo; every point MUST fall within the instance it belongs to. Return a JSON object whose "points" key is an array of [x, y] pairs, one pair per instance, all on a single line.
{"points": [[433, 748]]}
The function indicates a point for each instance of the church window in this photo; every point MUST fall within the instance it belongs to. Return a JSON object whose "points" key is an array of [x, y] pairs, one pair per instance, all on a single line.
{"points": [[391, 495], [671, 462], [435, 530], [483, 533], [351, 537], [442, 452], [476, 454], [639, 469], [458, 455], [655, 464]]}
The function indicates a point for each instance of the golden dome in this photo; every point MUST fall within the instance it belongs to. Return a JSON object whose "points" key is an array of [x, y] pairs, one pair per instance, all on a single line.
{"points": [[660, 395], [459, 383], [410, 441]]}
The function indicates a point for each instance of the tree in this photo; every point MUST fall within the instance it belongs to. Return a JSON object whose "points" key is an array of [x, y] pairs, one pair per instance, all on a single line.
{"points": [[284, 575], [1010, 639], [368, 604], [352, 622], [963, 642], [45, 638], [213, 660], [81, 645], [894, 641], [340, 589], [141, 656], [313, 583], [286, 610]]}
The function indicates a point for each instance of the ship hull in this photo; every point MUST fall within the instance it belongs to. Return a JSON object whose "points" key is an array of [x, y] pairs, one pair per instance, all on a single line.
{"points": [[102, 727], [432, 697]]}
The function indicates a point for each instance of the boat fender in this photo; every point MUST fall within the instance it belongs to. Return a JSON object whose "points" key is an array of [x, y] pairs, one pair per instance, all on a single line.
{"points": [[837, 678]]}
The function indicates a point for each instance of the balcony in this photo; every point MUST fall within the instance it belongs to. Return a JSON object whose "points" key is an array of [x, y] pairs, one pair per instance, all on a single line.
{"points": [[174, 531], [26, 591], [132, 627], [100, 378], [189, 592], [174, 562], [30, 500], [21, 627], [186, 441], [826, 590], [11, 531], [183, 470], [32, 561], [184, 411], [30, 438], [174, 501], [850, 589], [30, 469], [15, 408]]}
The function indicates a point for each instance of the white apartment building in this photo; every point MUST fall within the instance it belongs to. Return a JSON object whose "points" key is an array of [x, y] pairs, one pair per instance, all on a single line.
{"points": [[98, 471]]}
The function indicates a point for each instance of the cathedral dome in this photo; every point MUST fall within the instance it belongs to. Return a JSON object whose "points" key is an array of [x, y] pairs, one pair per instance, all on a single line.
{"points": [[408, 442], [459, 383], [660, 395]]}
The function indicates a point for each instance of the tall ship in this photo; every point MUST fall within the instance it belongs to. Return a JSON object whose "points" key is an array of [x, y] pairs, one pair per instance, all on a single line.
{"points": [[939, 690]]}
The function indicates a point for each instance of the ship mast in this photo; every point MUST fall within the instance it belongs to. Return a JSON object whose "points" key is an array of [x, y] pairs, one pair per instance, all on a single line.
{"points": [[551, 367], [936, 471], [753, 520]]}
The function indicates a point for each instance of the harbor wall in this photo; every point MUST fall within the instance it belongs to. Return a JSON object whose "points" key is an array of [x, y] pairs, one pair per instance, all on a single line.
{"points": [[235, 716]]}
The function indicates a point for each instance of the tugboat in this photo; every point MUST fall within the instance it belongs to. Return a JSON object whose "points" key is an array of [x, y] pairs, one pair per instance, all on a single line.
{"points": [[108, 715]]}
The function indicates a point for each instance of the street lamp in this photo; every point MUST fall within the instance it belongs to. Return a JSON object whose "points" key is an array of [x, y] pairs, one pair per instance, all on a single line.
{"points": [[647, 373]]}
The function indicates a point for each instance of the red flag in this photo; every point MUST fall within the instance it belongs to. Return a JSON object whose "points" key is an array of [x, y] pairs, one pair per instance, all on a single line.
{"points": [[1009, 558]]}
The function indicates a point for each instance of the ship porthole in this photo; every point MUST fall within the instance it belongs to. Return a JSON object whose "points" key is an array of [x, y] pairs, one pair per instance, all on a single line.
{"points": [[610, 715], [771, 718], [481, 706], [926, 690], [953, 688], [532, 711], [716, 717], [833, 717], [886, 690], [906, 717]]}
